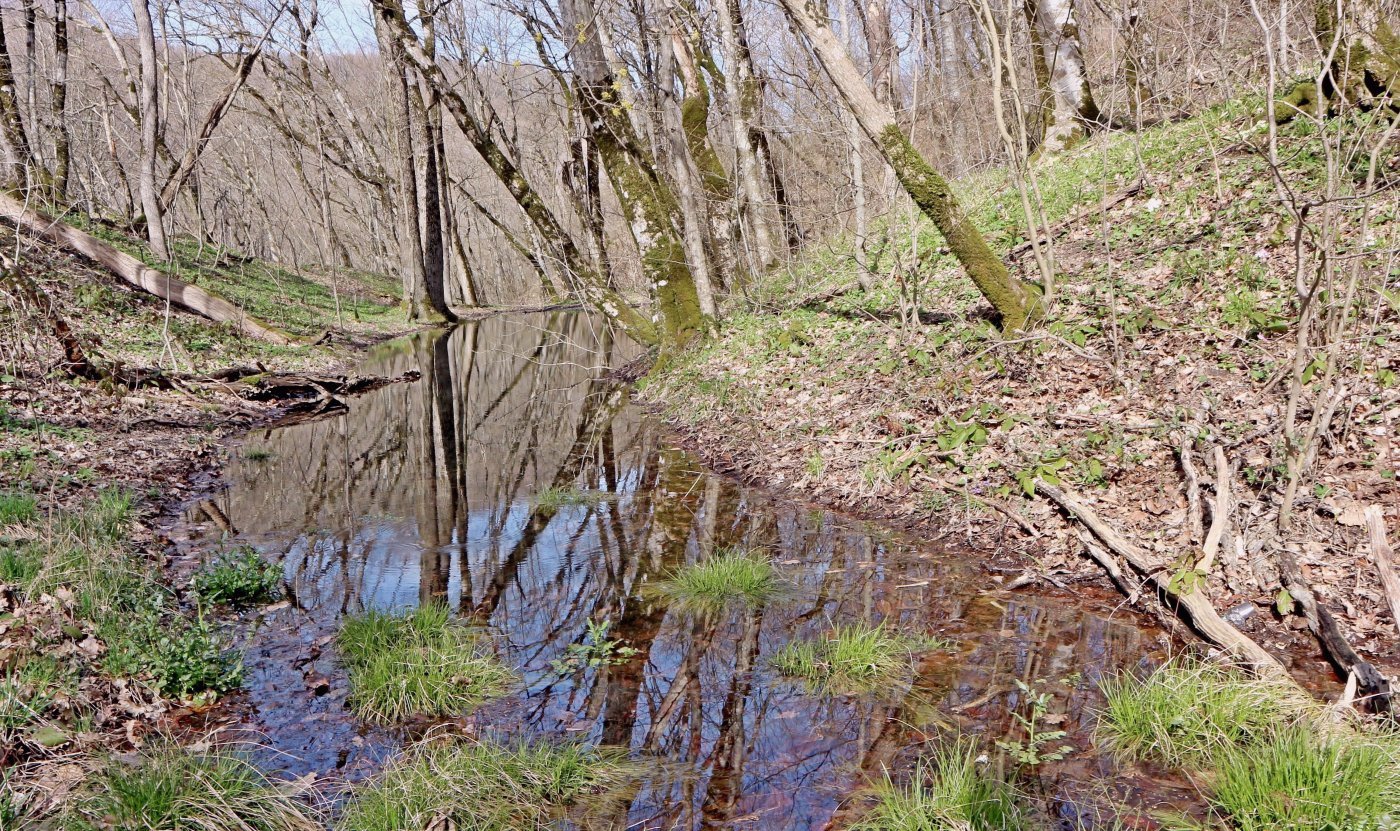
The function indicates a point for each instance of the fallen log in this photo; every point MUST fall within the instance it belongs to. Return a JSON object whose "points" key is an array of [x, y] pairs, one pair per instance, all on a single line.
{"points": [[1192, 605], [1385, 559], [1374, 687], [288, 386], [133, 271]]}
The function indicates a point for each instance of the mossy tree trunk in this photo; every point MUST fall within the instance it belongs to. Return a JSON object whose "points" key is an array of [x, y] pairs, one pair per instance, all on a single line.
{"points": [[1071, 111], [1362, 40], [651, 210], [1015, 301]]}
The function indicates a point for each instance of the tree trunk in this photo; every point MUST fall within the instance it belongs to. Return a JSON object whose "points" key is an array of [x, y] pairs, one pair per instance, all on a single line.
{"points": [[135, 272], [1073, 112], [58, 103], [149, 109], [679, 152], [12, 121], [1362, 38], [650, 208], [216, 114], [1017, 302], [478, 133], [743, 112]]}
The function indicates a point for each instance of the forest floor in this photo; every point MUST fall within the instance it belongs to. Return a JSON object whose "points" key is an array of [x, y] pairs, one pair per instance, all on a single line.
{"points": [[1171, 338]]}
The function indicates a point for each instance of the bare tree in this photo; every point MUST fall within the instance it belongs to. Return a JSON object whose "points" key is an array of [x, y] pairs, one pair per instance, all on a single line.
{"points": [[149, 109]]}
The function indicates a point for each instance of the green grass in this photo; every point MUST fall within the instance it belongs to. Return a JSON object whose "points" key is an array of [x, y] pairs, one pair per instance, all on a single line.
{"points": [[17, 508], [1188, 712], [172, 790], [1301, 781], [240, 578], [489, 786], [29, 689], [552, 498], [424, 663], [724, 579], [120, 595], [949, 792], [854, 658]]}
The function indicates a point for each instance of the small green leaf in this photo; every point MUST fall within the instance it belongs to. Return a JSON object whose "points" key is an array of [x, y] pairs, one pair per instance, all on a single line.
{"points": [[1284, 602]]}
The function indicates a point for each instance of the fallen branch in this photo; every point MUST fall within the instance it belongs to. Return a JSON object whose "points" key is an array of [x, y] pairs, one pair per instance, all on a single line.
{"points": [[1193, 487], [133, 271], [1219, 514], [1192, 605], [1374, 686], [1385, 559]]}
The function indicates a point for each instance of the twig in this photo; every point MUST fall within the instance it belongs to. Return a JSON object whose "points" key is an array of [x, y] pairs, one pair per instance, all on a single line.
{"points": [[1191, 605]]}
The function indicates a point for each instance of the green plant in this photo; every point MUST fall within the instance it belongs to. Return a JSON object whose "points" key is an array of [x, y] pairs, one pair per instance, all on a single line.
{"points": [[1188, 712], [552, 499], [725, 578], [1047, 467], [173, 790], [239, 577], [854, 658], [1301, 781], [27, 691], [596, 650], [489, 786], [257, 454], [183, 658], [953, 791], [1032, 750], [17, 508], [424, 662]]}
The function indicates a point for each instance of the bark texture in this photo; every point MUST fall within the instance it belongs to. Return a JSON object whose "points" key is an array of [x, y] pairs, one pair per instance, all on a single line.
{"points": [[1070, 108]]}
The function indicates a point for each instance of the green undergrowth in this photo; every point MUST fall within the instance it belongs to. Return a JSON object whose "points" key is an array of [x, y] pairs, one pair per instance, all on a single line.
{"points": [[96, 587], [853, 658], [421, 663], [240, 577], [171, 789], [491, 786], [727, 578], [1272, 758], [951, 790]]}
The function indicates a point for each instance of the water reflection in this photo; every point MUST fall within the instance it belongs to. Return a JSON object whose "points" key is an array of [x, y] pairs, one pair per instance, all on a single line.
{"points": [[425, 491]]}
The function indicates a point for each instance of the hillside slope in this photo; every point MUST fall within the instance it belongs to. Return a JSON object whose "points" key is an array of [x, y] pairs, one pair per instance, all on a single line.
{"points": [[1171, 343]]}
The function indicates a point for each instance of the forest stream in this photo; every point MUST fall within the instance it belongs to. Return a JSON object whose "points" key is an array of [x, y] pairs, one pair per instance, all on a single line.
{"points": [[429, 492]]}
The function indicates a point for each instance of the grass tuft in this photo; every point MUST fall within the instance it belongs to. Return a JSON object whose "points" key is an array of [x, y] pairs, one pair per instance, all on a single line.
{"points": [[424, 663], [727, 578], [950, 792], [17, 508], [552, 498], [489, 787], [1189, 712], [1300, 781], [173, 790], [240, 578], [854, 658]]}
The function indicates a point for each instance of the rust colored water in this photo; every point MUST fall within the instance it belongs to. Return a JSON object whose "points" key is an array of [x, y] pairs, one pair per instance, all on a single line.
{"points": [[425, 492]]}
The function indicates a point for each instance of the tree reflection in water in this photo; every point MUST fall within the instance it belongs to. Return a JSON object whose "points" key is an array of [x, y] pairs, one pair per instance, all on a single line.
{"points": [[424, 491]]}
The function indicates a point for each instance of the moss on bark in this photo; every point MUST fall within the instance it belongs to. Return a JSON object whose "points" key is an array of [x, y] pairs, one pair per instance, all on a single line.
{"points": [[1016, 301]]}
